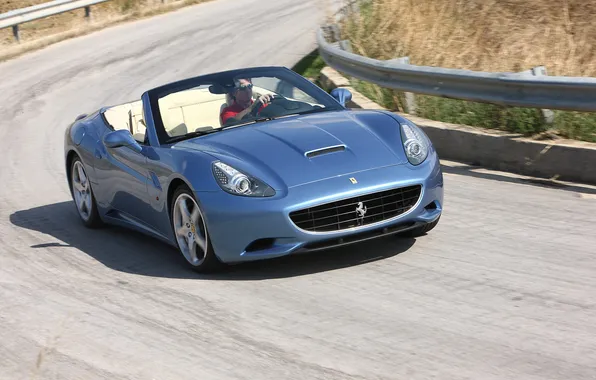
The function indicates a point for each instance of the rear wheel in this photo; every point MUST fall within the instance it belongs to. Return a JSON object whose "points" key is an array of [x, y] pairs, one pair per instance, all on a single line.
{"points": [[190, 230], [83, 195]]}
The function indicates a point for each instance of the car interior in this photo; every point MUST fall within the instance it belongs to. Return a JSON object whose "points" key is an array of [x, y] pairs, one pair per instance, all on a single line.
{"points": [[128, 116], [197, 109], [189, 110]]}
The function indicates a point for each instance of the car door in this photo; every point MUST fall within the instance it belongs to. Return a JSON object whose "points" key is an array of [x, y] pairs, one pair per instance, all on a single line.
{"points": [[124, 180], [123, 176]]}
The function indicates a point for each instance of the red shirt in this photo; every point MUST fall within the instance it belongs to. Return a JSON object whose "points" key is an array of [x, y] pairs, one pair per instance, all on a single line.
{"points": [[234, 110]]}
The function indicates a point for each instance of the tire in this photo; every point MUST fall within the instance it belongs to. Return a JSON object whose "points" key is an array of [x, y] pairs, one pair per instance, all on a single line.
{"points": [[204, 259], [82, 195], [422, 230]]}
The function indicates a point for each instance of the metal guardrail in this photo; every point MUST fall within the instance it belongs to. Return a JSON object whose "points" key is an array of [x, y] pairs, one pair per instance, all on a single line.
{"points": [[532, 88], [20, 16]]}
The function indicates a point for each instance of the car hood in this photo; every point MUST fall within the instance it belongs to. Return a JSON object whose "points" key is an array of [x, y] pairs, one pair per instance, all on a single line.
{"points": [[343, 142]]}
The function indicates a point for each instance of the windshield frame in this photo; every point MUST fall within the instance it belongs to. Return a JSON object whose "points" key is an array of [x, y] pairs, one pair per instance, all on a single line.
{"points": [[226, 77]]}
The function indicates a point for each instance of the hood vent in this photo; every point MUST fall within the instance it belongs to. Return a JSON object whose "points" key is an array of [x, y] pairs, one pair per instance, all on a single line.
{"points": [[321, 151]]}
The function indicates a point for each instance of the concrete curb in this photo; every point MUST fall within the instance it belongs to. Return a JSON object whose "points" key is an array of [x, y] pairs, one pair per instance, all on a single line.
{"points": [[566, 160]]}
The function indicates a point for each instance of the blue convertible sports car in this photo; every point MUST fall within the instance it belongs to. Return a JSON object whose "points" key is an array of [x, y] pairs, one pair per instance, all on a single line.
{"points": [[295, 172]]}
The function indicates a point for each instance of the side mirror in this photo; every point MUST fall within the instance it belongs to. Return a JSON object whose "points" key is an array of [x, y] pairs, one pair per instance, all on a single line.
{"points": [[122, 137], [342, 95]]}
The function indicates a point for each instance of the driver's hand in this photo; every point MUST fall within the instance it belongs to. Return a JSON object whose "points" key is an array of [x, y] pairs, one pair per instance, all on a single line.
{"points": [[264, 99]]}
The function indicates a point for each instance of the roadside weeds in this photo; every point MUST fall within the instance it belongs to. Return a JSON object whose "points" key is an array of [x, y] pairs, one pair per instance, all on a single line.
{"points": [[51, 31]]}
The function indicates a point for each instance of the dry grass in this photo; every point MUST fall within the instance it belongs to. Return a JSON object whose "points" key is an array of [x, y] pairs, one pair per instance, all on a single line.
{"points": [[66, 21], [40, 33], [487, 35], [482, 35], [9, 5]]}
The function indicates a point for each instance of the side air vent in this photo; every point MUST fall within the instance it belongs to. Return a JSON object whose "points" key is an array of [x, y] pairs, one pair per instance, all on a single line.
{"points": [[329, 149], [260, 244]]}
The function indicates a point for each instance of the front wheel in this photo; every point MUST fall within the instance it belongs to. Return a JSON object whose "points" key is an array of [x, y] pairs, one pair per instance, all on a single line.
{"points": [[190, 230]]}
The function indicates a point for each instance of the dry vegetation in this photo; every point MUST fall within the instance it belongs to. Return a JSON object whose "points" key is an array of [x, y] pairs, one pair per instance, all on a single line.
{"points": [[43, 32], [9, 5], [485, 35], [65, 21], [488, 35]]}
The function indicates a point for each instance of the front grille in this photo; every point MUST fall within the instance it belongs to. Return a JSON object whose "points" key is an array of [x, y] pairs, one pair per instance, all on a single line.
{"points": [[343, 214]]}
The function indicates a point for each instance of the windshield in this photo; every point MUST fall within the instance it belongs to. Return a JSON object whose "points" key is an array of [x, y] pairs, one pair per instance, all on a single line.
{"points": [[210, 103]]}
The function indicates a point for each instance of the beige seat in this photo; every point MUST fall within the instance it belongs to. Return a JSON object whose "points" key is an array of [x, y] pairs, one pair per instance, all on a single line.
{"points": [[118, 117], [128, 116], [189, 110], [139, 132]]}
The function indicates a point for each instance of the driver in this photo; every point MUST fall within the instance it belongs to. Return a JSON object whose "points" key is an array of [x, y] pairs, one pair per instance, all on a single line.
{"points": [[243, 103]]}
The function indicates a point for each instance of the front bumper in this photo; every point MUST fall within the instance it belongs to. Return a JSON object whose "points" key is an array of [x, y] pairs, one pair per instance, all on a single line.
{"points": [[247, 229]]}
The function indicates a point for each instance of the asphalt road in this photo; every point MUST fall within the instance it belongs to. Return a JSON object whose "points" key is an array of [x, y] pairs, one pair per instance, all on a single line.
{"points": [[503, 288]]}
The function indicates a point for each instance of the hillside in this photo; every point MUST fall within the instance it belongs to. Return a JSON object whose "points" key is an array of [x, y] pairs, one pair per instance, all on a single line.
{"points": [[486, 35]]}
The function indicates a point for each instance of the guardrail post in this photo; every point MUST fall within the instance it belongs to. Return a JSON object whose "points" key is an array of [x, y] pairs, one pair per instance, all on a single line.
{"points": [[547, 115], [410, 97], [88, 13], [15, 33], [345, 45], [334, 29]]}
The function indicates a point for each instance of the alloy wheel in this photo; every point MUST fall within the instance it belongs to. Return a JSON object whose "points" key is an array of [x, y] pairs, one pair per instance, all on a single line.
{"points": [[190, 229], [81, 190]]}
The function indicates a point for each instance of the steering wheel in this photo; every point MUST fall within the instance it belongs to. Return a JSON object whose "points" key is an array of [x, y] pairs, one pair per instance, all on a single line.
{"points": [[258, 104], [278, 105]]}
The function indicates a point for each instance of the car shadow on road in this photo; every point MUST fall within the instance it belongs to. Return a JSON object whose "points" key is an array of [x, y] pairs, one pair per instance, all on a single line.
{"points": [[131, 252]]}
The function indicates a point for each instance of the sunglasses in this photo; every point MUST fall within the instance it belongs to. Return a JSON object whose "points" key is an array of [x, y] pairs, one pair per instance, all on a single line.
{"points": [[244, 87]]}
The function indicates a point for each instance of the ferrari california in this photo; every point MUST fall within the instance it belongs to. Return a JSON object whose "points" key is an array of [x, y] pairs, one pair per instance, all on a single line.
{"points": [[251, 164]]}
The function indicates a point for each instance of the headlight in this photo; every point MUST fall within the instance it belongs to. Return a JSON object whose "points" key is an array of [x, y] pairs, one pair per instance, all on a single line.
{"points": [[235, 182], [416, 143]]}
